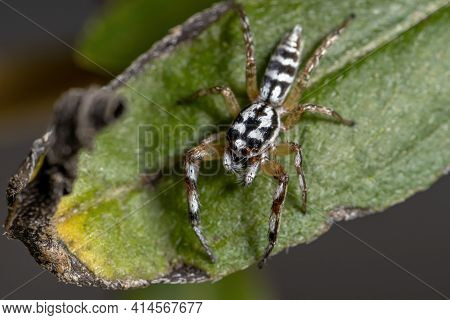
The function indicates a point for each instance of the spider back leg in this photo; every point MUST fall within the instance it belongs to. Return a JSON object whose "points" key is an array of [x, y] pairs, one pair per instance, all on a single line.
{"points": [[282, 68], [226, 92], [250, 66]]}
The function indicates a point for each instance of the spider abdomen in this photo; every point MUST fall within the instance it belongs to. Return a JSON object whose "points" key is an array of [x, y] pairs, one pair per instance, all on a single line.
{"points": [[254, 129], [282, 68]]}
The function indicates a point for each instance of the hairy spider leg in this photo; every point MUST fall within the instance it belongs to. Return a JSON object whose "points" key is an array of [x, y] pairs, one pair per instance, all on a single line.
{"points": [[303, 78], [295, 114], [276, 170], [284, 149], [209, 149], [250, 66], [226, 92]]}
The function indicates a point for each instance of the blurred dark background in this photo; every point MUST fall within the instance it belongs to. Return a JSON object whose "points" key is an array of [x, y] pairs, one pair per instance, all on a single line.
{"points": [[35, 69]]}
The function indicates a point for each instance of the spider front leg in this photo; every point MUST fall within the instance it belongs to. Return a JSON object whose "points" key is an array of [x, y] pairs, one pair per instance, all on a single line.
{"points": [[293, 117], [276, 170], [207, 150], [304, 76], [284, 149], [226, 92], [250, 66]]}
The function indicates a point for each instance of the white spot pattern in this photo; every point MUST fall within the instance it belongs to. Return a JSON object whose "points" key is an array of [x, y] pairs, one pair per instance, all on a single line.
{"points": [[240, 127]]}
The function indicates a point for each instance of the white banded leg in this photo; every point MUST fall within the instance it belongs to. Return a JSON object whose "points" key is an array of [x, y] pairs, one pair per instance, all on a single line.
{"points": [[207, 150], [276, 170]]}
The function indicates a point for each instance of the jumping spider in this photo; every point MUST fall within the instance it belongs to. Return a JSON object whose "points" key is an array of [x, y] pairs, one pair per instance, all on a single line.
{"points": [[252, 140]]}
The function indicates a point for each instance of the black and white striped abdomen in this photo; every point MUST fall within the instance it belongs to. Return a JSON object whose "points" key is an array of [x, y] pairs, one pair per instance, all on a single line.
{"points": [[282, 68]]}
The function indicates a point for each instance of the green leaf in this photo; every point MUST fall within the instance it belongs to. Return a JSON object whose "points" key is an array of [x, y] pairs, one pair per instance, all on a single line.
{"points": [[397, 92]]}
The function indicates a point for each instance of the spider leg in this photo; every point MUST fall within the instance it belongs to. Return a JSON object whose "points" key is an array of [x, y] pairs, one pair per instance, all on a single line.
{"points": [[207, 150], [293, 117], [312, 63], [250, 67], [284, 149], [226, 92], [276, 170]]}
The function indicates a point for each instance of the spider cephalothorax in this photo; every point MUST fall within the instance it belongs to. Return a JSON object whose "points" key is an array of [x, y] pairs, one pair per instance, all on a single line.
{"points": [[252, 133], [252, 139]]}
